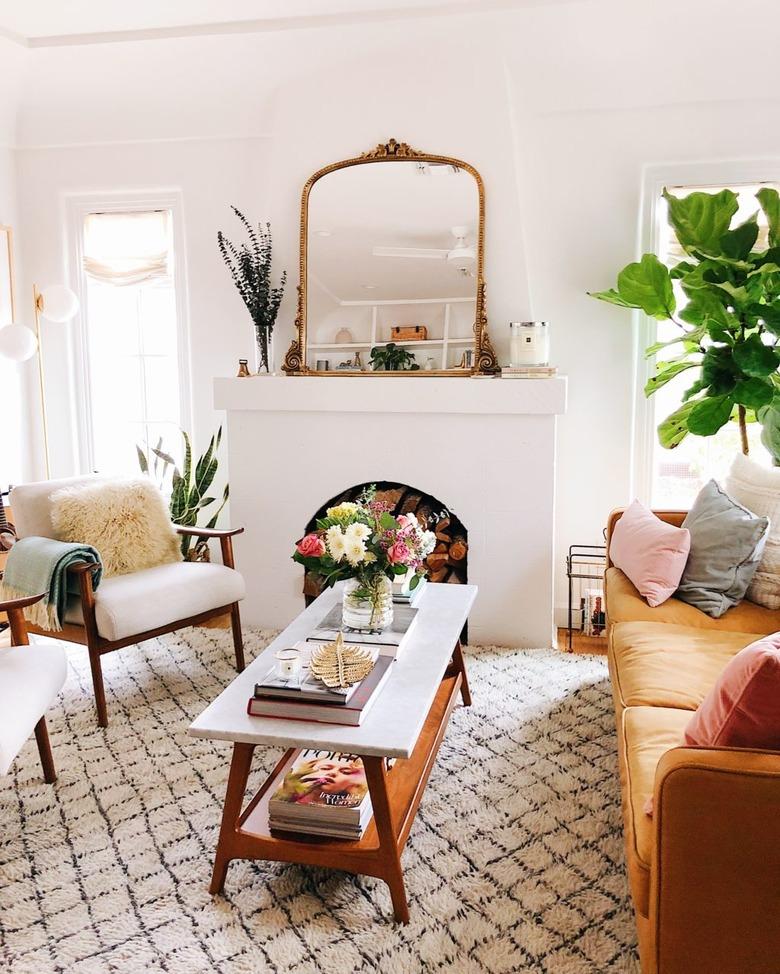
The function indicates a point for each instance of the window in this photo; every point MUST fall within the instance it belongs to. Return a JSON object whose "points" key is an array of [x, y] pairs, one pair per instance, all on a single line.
{"points": [[679, 474], [132, 336]]}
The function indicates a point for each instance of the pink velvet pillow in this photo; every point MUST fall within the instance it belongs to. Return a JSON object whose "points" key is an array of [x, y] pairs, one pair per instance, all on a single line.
{"points": [[651, 552], [743, 708]]}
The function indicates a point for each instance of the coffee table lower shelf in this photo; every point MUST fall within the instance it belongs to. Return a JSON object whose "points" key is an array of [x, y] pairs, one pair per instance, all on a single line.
{"points": [[395, 798]]}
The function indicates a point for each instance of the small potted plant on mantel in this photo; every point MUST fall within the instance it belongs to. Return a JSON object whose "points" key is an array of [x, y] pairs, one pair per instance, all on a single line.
{"points": [[250, 267], [393, 358], [726, 310]]}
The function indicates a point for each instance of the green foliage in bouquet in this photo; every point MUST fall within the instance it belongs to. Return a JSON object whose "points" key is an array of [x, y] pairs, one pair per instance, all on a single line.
{"points": [[729, 326], [189, 487]]}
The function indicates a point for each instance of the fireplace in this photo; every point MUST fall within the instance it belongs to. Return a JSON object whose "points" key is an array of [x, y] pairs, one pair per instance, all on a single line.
{"points": [[449, 560], [483, 449]]}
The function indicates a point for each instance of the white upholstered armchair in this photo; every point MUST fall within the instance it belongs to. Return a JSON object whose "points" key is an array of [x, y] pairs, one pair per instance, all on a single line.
{"points": [[127, 609]]}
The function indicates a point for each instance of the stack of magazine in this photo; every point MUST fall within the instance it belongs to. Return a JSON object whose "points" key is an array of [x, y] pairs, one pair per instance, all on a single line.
{"points": [[412, 596], [321, 792]]}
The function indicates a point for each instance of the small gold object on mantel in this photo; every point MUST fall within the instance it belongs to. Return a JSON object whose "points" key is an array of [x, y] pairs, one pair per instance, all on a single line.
{"points": [[338, 665], [243, 368]]}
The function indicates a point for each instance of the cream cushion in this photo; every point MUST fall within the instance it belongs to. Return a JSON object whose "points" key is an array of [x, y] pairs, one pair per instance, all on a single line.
{"points": [[757, 488], [127, 605], [30, 679], [125, 519], [31, 504]]}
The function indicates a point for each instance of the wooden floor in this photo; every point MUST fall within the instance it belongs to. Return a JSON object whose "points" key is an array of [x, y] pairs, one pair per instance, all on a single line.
{"points": [[582, 644]]}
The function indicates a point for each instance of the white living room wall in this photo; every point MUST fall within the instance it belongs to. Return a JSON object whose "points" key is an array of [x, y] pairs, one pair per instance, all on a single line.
{"points": [[559, 106]]}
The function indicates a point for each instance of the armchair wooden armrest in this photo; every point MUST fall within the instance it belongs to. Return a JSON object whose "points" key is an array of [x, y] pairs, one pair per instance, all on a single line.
{"points": [[14, 605], [196, 532], [225, 539], [714, 890], [83, 567]]}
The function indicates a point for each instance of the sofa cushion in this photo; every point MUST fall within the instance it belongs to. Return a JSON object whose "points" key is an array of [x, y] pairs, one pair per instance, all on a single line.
{"points": [[625, 604], [651, 552], [743, 708], [648, 733], [727, 543], [126, 605], [659, 665], [757, 487]]}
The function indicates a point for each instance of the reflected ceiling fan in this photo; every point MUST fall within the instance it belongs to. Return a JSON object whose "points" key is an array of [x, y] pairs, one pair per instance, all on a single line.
{"points": [[461, 256]]}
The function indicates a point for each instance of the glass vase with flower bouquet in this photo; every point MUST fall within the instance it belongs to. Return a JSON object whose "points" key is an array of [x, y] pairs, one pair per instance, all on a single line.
{"points": [[362, 544]]}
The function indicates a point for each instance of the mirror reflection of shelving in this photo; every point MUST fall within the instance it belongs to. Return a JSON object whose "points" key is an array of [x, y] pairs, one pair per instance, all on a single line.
{"points": [[449, 323]]}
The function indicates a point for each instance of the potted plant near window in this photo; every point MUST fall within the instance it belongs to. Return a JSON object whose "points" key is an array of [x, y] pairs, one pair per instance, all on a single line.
{"points": [[250, 267], [726, 310]]}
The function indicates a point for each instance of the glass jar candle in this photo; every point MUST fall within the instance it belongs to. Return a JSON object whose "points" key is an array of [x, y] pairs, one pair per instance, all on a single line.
{"points": [[529, 343]]}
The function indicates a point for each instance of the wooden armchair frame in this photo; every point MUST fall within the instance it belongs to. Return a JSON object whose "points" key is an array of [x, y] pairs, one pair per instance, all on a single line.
{"points": [[14, 609], [88, 635]]}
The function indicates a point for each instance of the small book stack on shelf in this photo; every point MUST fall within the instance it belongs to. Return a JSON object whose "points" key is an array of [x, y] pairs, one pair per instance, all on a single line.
{"points": [[321, 792], [528, 371]]}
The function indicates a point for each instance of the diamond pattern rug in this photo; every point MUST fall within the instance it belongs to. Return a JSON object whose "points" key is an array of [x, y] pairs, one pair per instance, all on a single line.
{"points": [[514, 863]]}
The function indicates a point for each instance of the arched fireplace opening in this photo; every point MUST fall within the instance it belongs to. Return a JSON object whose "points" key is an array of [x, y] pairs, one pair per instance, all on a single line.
{"points": [[449, 560]]}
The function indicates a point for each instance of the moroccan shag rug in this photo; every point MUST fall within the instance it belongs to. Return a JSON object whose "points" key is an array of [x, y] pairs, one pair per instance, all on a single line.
{"points": [[514, 863]]}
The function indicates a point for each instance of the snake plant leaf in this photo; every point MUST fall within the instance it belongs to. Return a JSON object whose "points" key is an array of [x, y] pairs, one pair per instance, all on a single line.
{"points": [[673, 430], [178, 506], [665, 372], [755, 358], [700, 220], [753, 393], [708, 415], [187, 471], [770, 204], [738, 243], [646, 285], [165, 457], [142, 461]]}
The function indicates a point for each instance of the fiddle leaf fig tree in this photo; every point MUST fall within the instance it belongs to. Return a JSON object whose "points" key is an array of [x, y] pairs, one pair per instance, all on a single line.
{"points": [[728, 323]]}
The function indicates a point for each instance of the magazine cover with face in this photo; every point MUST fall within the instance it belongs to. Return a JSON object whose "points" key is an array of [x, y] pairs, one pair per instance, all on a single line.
{"points": [[324, 779]]}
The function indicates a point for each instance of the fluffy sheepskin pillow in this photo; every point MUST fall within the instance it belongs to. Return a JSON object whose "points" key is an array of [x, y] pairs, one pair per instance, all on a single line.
{"points": [[126, 520]]}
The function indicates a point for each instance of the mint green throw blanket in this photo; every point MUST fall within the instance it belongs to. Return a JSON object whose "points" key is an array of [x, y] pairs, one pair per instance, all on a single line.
{"points": [[38, 565]]}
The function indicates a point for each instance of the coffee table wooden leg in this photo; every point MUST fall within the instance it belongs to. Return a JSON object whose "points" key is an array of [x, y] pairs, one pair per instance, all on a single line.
{"points": [[460, 665], [388, 843], [240, 767]]}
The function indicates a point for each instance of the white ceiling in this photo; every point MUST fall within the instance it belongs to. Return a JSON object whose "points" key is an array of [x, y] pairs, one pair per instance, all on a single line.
{"points": [[45, 23]]}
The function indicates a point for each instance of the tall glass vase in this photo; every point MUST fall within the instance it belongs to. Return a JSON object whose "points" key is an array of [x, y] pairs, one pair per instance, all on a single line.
{"points": [[265, 352], [367, 605]]}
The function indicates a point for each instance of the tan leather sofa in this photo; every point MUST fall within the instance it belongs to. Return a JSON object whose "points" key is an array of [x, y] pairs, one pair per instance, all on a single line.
{"points": [[704, 871]]}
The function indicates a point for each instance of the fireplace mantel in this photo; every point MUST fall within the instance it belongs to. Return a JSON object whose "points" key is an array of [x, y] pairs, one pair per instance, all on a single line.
{"points": [[485, 447], [378, 394]]}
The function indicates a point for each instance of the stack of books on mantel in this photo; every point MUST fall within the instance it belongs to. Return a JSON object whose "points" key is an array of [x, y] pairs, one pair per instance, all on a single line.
{"points": [[528, 371], [321, 792]]}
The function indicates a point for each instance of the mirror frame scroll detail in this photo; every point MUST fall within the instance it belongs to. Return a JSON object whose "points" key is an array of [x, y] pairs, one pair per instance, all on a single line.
{"points": [[485, 362]]}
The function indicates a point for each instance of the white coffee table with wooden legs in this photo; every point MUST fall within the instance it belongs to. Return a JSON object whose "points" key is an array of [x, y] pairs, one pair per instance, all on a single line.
{"points": [[407, 722]]}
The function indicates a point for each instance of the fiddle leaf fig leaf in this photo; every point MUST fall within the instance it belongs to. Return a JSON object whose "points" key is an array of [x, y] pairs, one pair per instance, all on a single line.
{"points": [[611, 297], [674, 428], [738, 243], [770, 204], [753, 393], [689, 339], [666, 371], [755, 358], [646, 284], [708, 415], [719, 372], [700, 220]]}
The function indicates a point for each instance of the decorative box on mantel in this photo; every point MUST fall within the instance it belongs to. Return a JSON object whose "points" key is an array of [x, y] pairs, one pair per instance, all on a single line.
{"points": [[485, 448]]}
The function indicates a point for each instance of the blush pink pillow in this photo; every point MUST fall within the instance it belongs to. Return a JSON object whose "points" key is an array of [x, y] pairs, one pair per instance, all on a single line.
{"points": [[743, 708], [650, 552]]}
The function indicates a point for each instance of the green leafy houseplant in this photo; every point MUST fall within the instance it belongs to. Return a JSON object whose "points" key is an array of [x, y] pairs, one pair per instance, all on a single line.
{"points": [[730, 323], [250, 267], [188, 488], [392, 358]]}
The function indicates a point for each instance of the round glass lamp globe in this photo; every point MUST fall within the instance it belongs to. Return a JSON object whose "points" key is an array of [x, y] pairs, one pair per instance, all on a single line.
{"points": [[59, 303], [17, 343]]}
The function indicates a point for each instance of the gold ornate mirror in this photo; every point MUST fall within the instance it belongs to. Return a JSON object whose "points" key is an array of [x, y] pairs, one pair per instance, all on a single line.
{"points": [[392, 251]]}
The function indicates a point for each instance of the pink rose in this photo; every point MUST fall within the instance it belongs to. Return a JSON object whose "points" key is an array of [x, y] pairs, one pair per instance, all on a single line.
{"points": [[398, 553], [311, 546]]}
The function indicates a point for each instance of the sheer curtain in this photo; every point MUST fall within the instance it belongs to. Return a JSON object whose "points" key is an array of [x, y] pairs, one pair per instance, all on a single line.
{"points": [[127, 248]]}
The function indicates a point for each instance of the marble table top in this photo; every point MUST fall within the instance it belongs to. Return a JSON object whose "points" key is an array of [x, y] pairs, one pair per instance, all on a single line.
{"points": [[393, 724]]}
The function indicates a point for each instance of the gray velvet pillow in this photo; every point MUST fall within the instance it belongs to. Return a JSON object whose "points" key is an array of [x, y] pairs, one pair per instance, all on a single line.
{"points": [[727, 541]]}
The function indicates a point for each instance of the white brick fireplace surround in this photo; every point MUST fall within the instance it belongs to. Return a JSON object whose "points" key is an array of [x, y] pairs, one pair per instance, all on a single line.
{"points": [[484, 447]]}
